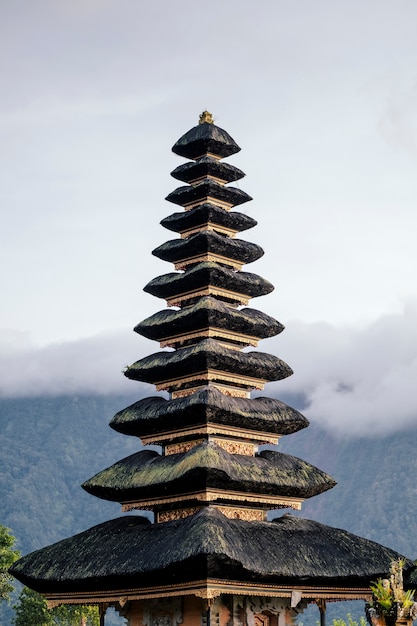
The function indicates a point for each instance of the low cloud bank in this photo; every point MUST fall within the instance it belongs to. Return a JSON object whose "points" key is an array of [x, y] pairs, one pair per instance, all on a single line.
{"points": [[93, 365], [356, 381]]}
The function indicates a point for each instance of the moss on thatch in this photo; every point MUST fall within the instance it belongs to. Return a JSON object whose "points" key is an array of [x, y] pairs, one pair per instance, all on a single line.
{"points": [[205, 242], [208, 406], [208, 189], [128, 553], [208, 213], [208, 312], [205, 274], [207, 166], [148, 475], [208, 354]]}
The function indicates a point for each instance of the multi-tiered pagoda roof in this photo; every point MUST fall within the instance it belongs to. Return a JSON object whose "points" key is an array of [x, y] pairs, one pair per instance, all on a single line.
{"points": [[210, 487]]}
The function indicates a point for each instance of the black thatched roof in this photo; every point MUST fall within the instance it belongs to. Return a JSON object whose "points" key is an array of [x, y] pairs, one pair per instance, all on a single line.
{"points": [[208, 241], [208, 354], [208, 311], [207, 166], [205, 274], [147, 475], [208, 213], [205, 138], [208, 405], [208, 189], [130, 553]]}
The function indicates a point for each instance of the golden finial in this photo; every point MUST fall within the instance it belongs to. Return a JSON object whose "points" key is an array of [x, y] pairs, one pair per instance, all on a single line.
{"points": [[205, 116]]}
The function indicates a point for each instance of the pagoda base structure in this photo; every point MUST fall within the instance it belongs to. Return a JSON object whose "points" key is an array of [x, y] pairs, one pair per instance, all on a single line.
{"points": [[223, 610], [211, 557]]}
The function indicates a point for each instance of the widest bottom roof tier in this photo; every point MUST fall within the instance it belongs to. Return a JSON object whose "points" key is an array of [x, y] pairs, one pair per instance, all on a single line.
{"points": [[131, 556]]}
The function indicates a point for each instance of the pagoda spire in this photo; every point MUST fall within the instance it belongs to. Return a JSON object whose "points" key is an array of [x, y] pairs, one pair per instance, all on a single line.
{"points": [[209, 465], [210, 486]]}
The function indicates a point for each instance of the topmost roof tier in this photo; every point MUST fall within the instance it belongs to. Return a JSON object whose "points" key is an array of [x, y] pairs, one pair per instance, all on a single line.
{"points": [[206, 138]]}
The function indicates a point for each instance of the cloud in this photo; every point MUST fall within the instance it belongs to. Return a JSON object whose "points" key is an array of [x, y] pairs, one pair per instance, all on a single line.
{"points": [[355, 381], [398, 123], [92, 365]]}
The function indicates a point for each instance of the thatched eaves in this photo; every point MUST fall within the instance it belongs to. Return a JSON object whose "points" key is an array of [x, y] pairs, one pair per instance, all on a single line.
{"points": [[208, 242], [208, 312], [207, 166], [128, 554], [208, 213], [205, 138], [208, 406], [208, 354], [210, 274], [147, 475], [205, 190]]}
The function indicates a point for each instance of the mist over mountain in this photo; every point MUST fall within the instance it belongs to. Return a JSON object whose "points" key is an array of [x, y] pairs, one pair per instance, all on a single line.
{"points": [[50, 445], [355, 381]]}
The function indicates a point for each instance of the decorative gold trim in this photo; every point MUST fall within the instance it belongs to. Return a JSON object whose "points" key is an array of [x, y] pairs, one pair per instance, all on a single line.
{"points": [[209, 226], [232, 446], [212, 375], [205, 116], [169, 516], [228, 391], [208, 496], [210, 154], [182, 446], [249, 515], [209, 256], [209, 588], [235, 447], [220, 203], [211, 332], [200, 179], [211, 429], [210, 290]]}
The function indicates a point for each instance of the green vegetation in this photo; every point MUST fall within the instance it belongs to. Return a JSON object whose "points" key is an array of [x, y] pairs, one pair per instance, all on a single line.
{"points": [[31, 610], [389, 599], [50, 445], [8, 555], [350, 621]]}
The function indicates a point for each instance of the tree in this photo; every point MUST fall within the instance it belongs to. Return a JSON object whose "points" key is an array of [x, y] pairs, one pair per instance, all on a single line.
{"points": [[350, 621], [31, 610], [78, 615], [8, 555]]}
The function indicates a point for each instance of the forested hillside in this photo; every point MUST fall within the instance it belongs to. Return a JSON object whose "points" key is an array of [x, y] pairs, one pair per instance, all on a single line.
{"points": [[50, 445], [376, 494]]}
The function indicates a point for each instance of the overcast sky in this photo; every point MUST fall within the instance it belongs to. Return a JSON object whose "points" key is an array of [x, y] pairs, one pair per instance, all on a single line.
{"points": [[322, 98]]}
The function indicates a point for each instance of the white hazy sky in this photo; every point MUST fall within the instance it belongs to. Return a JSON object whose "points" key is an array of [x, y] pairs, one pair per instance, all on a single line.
{"points": [[322, 98]]}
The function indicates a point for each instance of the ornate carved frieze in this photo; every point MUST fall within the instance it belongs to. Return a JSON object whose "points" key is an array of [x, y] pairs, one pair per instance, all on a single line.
{"points": [[208, 429], [230, 445], [249, 515], [209, 256], [223, 230], [230, 338], [228, 391], [169, 516], [183, 446], [212, 376], [235, 447], [210, 290]]}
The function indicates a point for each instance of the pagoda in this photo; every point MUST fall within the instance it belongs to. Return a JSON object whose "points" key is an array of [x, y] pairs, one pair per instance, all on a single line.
{"points": [[211, 556]]}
